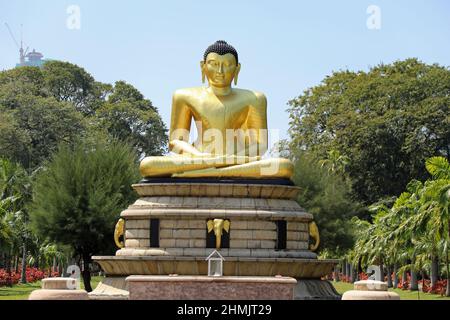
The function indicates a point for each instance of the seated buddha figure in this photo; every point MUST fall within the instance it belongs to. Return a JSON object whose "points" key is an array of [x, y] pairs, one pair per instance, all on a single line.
{"points": [[231, 127]]}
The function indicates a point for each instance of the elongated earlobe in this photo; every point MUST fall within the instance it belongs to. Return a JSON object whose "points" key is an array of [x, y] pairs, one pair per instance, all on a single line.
{"points": [[236, 74], [202, 64]]}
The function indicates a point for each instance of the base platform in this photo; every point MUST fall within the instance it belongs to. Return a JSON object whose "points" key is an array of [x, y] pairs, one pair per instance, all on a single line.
{"points": [[256, 224], [210, 288], [118, 288]]}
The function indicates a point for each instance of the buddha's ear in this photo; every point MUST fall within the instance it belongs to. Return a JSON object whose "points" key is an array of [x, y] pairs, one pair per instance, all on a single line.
{"points": [[236, 73], [202, 67]]}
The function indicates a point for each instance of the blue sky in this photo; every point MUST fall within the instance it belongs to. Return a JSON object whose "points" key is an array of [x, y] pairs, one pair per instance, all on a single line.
{"points": [[285, 47]]}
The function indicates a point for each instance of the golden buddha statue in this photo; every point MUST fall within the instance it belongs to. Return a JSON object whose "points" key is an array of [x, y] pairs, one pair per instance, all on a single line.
{"points": [[231, 127]]}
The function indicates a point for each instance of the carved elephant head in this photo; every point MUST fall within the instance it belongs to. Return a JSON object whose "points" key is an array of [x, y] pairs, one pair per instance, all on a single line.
{"points": [[314, 234], [119, 232], [218, 225]]}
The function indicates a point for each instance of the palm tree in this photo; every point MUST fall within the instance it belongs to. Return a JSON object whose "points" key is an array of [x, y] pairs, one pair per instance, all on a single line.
{"points": [[15, 184], [436, 205], [427, 214], [6, 232], [51, 256], [415, 231]]}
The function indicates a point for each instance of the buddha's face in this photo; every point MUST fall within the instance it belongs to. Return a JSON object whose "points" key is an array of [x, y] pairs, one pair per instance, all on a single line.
{"points": [[220, 69]]}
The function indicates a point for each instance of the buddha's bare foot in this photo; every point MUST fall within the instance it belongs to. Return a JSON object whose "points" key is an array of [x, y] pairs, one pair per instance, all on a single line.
{"points": [[210, 172]]}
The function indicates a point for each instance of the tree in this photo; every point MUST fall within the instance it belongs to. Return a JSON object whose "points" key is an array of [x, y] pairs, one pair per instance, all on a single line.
{"points": [[437, 203], [415, 231], [42, 107], [50, 256], [68, 82], [14, 141], [387, 121], [128, 116], [19, 82], [31, 133], [80, 194], [327, 196]]}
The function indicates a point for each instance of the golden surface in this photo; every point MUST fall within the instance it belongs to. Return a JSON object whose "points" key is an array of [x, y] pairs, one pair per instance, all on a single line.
{"points": [[218, 225], [314, 233], [118, 232], [231, 129]]}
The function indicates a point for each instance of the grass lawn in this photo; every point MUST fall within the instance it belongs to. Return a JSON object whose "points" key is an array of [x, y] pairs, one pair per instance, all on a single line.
{"points": [[341, 287], [22, 291]]}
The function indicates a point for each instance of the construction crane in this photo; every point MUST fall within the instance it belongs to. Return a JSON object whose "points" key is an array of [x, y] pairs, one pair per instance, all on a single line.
{"points": [[22, 52]]}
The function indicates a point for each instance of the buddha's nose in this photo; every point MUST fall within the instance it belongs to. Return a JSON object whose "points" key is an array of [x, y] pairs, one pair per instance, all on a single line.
{"points": [[220, 68]]}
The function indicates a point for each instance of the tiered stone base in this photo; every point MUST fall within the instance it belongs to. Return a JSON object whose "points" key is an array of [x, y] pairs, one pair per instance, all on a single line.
{"points": [[182, 210]]}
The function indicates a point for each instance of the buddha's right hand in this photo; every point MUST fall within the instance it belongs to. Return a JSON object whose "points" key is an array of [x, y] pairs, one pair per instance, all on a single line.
{"points": [[183, 148]]}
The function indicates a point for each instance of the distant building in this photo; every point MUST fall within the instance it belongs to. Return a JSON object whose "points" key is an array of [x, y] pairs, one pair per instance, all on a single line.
{"points": [[31, 59]]}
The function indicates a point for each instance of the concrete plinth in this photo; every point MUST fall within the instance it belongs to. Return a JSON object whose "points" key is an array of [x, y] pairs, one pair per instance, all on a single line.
{"points": [[210, 288], [370, 290], [59, 289], [59, 283], [58, 294]]}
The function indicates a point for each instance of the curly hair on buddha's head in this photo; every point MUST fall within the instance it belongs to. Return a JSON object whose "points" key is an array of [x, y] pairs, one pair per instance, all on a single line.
{"points": [[221, 47]]}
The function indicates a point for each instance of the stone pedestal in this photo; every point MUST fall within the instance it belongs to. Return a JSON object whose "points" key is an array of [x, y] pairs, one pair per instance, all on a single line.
{"points": [[370, 290], [210, 288], [59, 289], [166, 232]]}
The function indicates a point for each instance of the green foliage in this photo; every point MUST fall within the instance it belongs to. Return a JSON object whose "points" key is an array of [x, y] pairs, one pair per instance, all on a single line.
{"points": [[80, 194], [34, 130], [19, 82], [387, 121], [15, 193], [415, 229], [327, 196], [129, 117], [60, 103], [68, 82], [14, 142], [438, 167]]}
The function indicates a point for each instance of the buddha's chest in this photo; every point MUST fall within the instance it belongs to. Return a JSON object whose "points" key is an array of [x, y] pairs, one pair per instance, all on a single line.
{"points": [[222, 114]]}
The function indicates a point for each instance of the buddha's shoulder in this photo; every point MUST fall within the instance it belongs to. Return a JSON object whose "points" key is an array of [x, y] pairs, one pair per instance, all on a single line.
{"points": [[254, 96], [187, 92]]}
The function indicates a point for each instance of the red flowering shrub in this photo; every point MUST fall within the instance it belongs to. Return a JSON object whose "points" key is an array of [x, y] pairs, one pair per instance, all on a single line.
{"points": [[8, 279], [32, 275], [363, 276], [439, 287]]}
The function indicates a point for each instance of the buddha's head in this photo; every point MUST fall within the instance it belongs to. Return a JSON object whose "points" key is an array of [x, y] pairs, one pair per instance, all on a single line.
{"points": [[220, 65]]}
